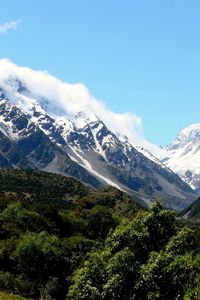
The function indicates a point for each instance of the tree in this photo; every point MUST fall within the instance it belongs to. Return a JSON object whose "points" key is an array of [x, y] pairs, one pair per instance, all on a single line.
{"points": [[145, 258], [100, 220], [39, 258], [88, 281], [121, 273]]}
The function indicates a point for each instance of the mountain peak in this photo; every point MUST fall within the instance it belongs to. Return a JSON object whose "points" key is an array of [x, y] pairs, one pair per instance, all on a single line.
{"points": [[190, 134], [82, 119], [183, 155], [16, 84], [191, 131]]}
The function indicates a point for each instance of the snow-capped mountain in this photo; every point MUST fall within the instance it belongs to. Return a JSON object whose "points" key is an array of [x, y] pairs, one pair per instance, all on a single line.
{"points": [[183, 155], [42, 127]]}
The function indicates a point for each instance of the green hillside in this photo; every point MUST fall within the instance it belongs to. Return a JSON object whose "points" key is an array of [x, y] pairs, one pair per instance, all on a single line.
{"points": [[40, 188], [60, 239]]}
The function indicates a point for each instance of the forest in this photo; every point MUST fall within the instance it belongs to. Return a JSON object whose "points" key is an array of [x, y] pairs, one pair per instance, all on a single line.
{"points": [[62, 240]]}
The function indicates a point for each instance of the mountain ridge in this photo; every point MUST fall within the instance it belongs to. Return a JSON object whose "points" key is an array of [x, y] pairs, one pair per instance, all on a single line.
{"points": [[81, 145]]}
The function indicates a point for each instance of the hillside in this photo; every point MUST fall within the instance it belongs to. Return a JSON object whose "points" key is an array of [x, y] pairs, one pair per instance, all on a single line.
{"points": [[61, 191], [61, 239], [192, 211]]}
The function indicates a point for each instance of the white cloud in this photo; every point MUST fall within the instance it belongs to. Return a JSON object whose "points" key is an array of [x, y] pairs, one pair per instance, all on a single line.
{"points": [[69, 99], [9, 26]]}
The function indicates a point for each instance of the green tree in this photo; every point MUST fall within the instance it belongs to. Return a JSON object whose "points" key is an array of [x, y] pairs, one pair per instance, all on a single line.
{"points": [[121, 273], [148, 257], [100, 220], [88, 281], [39, 257]]}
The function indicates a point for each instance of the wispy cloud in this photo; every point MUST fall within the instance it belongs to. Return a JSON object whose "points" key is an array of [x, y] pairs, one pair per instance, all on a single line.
{"points": [[9, 26]]}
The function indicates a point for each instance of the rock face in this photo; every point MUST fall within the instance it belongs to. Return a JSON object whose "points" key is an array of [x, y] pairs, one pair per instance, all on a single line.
{"points": [[183, 156], [35, 135]]}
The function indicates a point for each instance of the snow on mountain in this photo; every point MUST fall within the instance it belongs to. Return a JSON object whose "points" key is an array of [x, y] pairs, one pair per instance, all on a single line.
{"points": [[60, 127], [183, 155], [60, 99]]}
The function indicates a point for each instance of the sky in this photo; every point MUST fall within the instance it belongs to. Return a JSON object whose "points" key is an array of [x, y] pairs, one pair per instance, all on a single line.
{"points": [[141, 57]]}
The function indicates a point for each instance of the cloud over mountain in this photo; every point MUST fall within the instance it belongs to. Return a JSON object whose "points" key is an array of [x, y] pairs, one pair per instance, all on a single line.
{"points": [[69, 99]]}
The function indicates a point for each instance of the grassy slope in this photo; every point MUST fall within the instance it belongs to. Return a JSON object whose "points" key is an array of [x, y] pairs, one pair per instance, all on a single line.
{"points": [[5, 296]]}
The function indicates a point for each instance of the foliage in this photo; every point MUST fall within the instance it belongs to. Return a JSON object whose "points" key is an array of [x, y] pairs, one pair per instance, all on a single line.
{"points": [[6, 296], [148, 257], [48, 225], [59, 238]]}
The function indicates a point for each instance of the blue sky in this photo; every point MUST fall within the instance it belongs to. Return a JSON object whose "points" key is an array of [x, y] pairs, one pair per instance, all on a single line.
{"points": [[136, 56]]}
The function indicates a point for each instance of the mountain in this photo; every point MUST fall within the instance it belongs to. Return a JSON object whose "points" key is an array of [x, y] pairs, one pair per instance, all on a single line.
{"points": [[41, 127], [183, 156]]}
